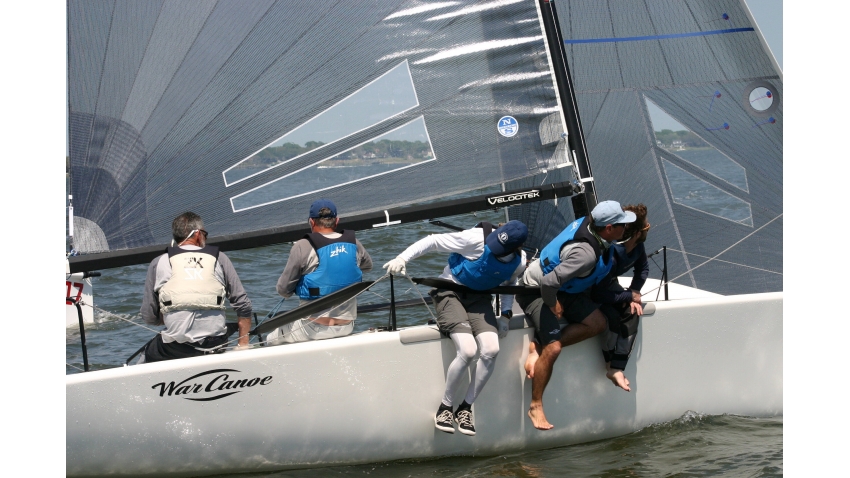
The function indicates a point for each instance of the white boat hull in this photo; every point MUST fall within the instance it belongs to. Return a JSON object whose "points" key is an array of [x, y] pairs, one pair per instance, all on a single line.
{"points": [[369, 397]]}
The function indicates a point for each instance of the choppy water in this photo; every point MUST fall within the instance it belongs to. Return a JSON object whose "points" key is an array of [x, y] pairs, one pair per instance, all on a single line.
{"points": [[694, 445]]}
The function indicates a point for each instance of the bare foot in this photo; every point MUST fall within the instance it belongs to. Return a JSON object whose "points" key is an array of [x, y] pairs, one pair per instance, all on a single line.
{"points": [[531, 360], [538, 419], [618, 378]]}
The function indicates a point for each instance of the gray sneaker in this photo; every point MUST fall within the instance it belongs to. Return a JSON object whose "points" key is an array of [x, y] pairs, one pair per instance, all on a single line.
{"points": [[443, 420], [464, 419]]}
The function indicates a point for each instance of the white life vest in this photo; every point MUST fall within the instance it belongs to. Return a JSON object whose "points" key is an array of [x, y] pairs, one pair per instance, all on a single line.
{"points": [[193, 285]]}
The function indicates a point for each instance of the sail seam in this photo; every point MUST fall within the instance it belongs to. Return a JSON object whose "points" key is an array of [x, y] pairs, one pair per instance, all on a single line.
{"points": [[173, 76], [232, 100], [659, 37]]}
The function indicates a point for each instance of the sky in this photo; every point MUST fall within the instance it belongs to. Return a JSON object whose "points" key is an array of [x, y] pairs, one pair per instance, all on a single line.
{"points": [[768, 15]]}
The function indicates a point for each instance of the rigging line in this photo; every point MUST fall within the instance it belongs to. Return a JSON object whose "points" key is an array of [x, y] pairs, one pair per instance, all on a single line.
{"points": [[119, 317], [421, 296], [716, 256], [728, 262], [74, 366], [300, 321]]}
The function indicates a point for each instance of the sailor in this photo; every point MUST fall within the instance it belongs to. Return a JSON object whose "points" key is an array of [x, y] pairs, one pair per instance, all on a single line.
{"points": [[185, 290], [622, 307], [324, 261], [481, 258], [568, 266]]}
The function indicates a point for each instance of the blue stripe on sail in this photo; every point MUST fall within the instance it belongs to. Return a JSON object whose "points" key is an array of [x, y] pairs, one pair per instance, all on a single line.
{"points": [[660, 37]]}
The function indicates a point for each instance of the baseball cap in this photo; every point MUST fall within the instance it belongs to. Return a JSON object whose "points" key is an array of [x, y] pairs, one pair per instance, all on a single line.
{"points": [[610, 212], [319, 204], [507, 238]]}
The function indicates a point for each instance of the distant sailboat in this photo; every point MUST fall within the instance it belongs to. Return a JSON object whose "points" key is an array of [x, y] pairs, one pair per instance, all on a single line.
{"points": [[168, 99]]}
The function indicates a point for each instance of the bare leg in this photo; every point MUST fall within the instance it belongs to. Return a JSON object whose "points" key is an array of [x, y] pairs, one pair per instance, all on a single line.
{"points": [[617, 377], [533, 355], [592, 325], [542, 373]]}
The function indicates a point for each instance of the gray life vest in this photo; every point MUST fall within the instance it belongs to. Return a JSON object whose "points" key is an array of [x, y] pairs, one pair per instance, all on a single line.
{"points": [[193, 285]]}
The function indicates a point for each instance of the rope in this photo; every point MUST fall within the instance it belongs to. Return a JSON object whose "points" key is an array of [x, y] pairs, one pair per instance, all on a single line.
{"points": [[94, 307], [727, 262], [74, 366], [385, 276], [716, 256]]}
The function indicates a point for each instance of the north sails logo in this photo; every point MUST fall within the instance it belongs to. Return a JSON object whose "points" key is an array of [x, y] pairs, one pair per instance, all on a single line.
{"points": [[534, 193], [217, 384]]}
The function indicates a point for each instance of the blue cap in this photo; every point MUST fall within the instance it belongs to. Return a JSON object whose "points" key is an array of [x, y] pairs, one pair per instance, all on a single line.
{"points": [[610, 212], [318, 205], [507, 238]]}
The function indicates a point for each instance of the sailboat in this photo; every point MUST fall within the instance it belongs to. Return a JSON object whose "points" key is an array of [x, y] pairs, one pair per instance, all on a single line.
{"points": [[230, 108]]}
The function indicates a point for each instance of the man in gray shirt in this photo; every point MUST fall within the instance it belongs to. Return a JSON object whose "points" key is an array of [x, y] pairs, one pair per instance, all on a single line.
{"points": [[568, 267], [185, 290], [323, 262]]}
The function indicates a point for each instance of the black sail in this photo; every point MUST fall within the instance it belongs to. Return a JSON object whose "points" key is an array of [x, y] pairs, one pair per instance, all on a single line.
{"points": [[247, 111], [681, 107]]}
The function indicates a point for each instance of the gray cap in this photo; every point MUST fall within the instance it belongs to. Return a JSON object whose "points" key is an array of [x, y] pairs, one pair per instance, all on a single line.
{"points": [[610, 212]]}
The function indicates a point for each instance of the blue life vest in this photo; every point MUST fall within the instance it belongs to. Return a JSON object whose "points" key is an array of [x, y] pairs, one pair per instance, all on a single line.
{"points": [[577, 231], [623, 261], [337, 265], [485, 272]]}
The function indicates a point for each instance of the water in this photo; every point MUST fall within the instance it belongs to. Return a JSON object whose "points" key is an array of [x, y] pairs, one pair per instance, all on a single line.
{"points": [[694, 445]]}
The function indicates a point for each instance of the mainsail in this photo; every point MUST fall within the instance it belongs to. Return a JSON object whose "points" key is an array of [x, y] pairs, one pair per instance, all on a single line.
{"points": [[246, 111], [681, 107]]}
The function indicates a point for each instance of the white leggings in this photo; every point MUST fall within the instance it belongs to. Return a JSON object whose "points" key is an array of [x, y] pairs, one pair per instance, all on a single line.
{"points": [[488, 344]]}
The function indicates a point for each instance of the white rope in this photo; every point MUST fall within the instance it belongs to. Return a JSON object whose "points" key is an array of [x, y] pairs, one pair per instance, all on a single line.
{"points": [[312, 319], [727, 262], [74, 366], [120, 318], [385, 276], [413, 286], [715, 256]]}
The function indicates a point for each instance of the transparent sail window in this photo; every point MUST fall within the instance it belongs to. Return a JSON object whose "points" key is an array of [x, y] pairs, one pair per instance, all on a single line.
{"points": [[680, 141], [693, 192], [404, 147], [387, 96]]}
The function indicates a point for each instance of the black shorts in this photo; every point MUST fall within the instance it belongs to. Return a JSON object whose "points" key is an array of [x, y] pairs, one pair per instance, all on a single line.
{"points": [[156, 350], [547, 328]]}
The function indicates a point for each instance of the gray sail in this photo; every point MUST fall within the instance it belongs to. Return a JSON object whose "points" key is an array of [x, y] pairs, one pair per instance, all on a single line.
{"points": [[247, 111], [681, 108]]}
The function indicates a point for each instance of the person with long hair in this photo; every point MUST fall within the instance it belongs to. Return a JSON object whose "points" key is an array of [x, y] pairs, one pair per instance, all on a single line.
{"points": [[623, 307]]}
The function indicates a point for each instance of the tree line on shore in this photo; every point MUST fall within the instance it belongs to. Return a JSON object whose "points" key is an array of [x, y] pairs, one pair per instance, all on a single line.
{"points": [[373, 149]]}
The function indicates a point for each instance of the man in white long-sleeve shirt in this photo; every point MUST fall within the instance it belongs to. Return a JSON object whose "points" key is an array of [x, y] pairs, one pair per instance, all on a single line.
{"points": [[482, 258]]}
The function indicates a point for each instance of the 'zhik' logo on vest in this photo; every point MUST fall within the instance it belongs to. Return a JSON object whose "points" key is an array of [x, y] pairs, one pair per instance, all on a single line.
{"points": [[340, 249]]}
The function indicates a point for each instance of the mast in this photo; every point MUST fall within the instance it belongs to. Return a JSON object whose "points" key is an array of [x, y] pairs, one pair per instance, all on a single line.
{"points": [[582, 203]]}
